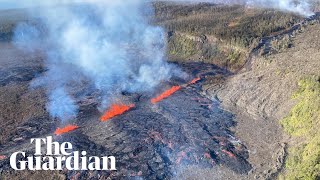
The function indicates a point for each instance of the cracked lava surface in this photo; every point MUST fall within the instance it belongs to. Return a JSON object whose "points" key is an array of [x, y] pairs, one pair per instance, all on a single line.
{"points": [[153, 141]]}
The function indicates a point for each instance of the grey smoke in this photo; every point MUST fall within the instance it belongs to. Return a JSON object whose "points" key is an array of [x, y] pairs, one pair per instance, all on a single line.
{"points": [[26, 33], [108, 46], [61, 105], [301, 7], [104, 45]]}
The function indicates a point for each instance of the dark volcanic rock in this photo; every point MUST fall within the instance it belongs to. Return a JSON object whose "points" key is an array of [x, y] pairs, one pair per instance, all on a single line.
{"points": [[154, 141], [19, 74]]}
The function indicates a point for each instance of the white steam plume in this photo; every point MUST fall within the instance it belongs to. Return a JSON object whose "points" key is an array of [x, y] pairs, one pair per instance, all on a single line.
{"points": [[108, 45], [301, 7]]}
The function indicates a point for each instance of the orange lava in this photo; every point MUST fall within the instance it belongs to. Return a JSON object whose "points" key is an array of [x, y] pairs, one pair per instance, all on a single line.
{"points": [[165, 94], [115, 110], [66, 129], [195, 80], [230, 154]]}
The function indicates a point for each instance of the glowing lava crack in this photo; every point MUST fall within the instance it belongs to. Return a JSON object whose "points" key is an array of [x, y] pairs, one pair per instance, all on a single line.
{"points": [[171, 91], [115, 110], [65, 129], [165, 94], [195, 80]]}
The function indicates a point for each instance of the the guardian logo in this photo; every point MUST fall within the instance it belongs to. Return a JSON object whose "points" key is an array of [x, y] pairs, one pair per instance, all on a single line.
{"points": [[57, 156]]}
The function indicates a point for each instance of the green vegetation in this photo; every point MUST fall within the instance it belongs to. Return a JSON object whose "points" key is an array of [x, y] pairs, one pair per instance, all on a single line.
{"points": [[218, 34], [282, 44], [182, 46], [209, 51], [222, 35], [234, 56], [235, 25], [303, 122]]}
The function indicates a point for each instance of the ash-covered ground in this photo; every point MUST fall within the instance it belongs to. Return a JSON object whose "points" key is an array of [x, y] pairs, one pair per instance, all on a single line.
{"points": [[153, 141]]}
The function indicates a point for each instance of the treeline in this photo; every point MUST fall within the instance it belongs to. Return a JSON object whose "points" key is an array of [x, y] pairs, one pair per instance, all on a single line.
{"points": [[234, 25]]}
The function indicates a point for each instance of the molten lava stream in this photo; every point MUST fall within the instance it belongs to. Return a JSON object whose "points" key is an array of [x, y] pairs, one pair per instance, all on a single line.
{"points": [[165, 94], [115, 110], [66, 129], [195, 80]]}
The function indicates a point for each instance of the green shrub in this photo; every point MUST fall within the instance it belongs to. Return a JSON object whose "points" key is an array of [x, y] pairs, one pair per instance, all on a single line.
{"points": [[303, 122], [234, 56], [182, 46], [235, 25], [209, 51]]}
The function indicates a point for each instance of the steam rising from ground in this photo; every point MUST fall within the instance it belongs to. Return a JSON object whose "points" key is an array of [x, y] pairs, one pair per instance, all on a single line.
{"points": [[301, 7], [107, 46]]}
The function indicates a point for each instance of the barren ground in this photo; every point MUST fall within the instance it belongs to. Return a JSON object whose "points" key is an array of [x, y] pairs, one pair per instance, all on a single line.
{"points": [[264, 94]]}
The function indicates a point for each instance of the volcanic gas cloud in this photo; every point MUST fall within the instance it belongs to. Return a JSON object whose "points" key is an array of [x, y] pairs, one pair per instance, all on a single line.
{"points": [[115, 110], [95, 47], [66, 129]]}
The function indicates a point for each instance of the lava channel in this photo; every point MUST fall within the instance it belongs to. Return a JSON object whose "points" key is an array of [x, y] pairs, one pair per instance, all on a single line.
{"points": [[66, 129], [165, 94], [195, 80], [116, 110]]}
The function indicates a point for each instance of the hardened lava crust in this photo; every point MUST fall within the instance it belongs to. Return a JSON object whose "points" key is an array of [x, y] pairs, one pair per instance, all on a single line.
{"points": [[154, 141]]}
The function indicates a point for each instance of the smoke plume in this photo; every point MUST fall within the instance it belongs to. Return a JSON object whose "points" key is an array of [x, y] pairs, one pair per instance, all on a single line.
{"points": [[104, 45], [301, 7]]}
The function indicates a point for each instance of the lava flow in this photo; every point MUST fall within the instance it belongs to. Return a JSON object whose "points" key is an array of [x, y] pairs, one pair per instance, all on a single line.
{"points": [[195, 80], [115, 110], [165, 94], [65, 129]]}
